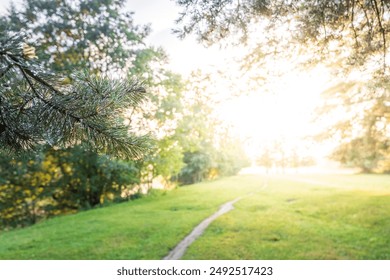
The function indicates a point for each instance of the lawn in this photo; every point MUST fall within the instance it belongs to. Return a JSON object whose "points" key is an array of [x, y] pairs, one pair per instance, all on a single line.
{"points": [[289, 217], [340, 217]]}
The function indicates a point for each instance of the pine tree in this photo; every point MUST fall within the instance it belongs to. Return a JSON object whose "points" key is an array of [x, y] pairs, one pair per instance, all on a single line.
{"points": [[37, 106]]}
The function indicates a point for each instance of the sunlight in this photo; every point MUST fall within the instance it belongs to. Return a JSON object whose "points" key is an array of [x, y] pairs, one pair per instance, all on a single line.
{"points": [[285, 113]]}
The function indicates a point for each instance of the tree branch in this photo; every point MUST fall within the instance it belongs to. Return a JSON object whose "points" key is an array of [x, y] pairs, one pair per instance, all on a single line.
{"points": [[383, 33]]}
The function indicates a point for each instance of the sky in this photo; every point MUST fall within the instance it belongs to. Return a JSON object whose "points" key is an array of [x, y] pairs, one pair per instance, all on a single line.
{"points": [[185, 55]]}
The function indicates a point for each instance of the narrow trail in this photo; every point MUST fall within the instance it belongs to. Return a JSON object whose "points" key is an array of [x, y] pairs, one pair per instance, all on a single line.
{"points": [[180, 249]]}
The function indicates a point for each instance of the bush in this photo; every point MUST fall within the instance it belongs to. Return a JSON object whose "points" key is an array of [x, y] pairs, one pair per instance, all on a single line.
{"points": [[51, 182]]}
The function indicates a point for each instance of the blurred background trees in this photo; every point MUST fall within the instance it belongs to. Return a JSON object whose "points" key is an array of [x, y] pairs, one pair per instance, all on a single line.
{"points": [[277, 159], [349, 37]]}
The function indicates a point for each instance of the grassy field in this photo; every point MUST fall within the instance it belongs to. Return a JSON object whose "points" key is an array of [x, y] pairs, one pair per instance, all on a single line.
{"points": [[289, 217]]}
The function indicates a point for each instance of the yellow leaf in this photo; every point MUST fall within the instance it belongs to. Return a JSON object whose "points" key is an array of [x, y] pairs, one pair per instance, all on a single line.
{"points": [[28, 51]]}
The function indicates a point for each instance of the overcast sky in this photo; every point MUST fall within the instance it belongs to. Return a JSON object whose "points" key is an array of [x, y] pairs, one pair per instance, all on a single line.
{"points": [[185, 55]]}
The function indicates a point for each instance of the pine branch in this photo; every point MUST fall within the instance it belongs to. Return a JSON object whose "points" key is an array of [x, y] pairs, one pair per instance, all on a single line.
{"points": [[37, 107]]}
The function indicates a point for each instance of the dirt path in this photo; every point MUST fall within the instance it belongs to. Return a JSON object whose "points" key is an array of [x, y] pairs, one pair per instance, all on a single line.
{"points": [[180, 249]]}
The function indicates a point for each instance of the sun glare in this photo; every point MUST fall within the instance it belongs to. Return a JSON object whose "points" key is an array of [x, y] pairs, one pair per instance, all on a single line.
{"points": [[284, 114]]}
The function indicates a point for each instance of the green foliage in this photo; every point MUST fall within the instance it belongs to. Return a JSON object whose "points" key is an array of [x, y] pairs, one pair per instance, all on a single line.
{"points": [[24, 189], [79, 35], [364, 133], [210, 162], [161, 113], [230, 156], [168, 160], [197, 167], [366, 153], [89, 179], [213, 21], [230, 162], [50, 182], [188, 149], [209, 149]]}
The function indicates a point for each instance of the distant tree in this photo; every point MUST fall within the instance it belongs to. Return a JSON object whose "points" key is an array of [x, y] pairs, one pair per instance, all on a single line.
{"points": [[210, 162], [307, 161], [197, 167], [266, 159], [230, 155], [281, 156], [294, 159], [209, 149]]}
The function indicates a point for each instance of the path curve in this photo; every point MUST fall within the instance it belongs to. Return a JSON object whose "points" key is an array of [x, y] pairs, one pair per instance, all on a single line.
{"points": [[180, 249]]}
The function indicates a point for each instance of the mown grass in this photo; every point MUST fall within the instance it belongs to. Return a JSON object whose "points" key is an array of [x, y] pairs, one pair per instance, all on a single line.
{"points": [[143, 229], [339, 217], [295, 218]]}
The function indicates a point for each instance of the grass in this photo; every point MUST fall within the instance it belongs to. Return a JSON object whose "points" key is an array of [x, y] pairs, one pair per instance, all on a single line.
{"points": [[299, 217], [295, 219], [143, 229]]}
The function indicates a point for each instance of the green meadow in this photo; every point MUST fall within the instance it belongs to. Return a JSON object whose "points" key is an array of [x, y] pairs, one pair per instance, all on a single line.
{"points": [[278, 217]]}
